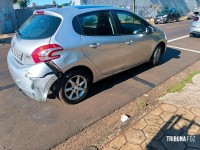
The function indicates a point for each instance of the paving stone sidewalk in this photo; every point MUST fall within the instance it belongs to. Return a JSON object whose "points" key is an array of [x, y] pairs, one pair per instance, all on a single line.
{"points": [[158, 129], [170, 126]]}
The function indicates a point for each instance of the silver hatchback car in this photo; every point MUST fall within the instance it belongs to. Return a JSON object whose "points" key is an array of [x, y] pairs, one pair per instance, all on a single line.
{"points": [[62, 51]]}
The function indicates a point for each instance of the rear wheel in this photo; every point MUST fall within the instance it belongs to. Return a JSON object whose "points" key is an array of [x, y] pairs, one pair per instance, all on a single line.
{"points": [[74, 86], [155, 58]]}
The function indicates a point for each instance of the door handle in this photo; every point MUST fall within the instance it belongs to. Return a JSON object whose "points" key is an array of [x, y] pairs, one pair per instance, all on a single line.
{"points": [[95, 45], [129, 42]]}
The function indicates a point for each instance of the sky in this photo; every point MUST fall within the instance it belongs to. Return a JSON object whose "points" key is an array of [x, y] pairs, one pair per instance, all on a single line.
{"points": [[43, 2]]}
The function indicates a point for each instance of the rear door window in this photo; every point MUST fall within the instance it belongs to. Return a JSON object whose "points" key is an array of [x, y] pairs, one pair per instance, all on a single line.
{"points": [[39, 27], [97, 23]]}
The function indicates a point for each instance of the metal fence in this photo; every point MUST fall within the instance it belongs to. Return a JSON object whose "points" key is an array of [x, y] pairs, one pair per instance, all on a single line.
{"points": [[145, 8]]}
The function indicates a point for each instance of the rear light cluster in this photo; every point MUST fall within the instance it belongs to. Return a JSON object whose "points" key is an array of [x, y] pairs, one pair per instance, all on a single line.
{"points": [[196, 18], [40, 12], [46, 53]]}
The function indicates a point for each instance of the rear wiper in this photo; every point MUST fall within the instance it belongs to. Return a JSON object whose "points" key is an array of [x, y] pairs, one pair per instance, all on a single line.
{"points": [[17, 31]]}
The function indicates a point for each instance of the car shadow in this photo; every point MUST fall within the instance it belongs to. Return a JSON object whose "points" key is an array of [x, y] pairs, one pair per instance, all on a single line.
{"points": [[177, 133], [110, 82]]}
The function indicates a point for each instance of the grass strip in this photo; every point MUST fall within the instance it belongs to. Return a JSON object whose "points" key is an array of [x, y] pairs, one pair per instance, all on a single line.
{"points": [[179, 87]]}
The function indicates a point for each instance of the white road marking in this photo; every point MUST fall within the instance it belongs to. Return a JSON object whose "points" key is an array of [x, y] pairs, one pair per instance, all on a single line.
{"points": [[184, 49], [177, 26], [182, 37]]}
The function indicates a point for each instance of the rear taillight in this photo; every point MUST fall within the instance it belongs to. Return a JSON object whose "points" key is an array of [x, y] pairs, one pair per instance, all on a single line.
{"points": [[196, 18], [40, 12], [46, 53]]}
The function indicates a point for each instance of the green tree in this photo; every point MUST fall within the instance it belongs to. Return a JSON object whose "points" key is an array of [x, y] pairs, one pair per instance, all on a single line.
{"points": [[22, 3]]}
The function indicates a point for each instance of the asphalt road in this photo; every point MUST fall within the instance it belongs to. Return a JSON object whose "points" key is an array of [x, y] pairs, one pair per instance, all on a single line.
{"points": [[28, 124]]}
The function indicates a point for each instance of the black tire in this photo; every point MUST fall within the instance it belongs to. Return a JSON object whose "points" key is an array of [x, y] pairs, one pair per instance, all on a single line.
{"points": [[191, 35], [65, 83], [155, 58], [177, 19]]}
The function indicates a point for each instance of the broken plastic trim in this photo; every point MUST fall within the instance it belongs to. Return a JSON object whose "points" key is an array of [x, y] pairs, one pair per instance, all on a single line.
{"points": [[59, 74], [57, 71]]}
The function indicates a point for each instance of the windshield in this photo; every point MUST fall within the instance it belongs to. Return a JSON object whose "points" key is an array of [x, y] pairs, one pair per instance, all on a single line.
{"points": [[39, 27], [163, 12]]}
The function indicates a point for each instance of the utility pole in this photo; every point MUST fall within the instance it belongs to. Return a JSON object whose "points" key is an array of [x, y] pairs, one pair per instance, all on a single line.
{"points": [[133, 5]]}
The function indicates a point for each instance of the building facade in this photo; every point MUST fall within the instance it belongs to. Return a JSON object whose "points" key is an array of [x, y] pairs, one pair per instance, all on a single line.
{"points": [[7, 17], [148, 8]]}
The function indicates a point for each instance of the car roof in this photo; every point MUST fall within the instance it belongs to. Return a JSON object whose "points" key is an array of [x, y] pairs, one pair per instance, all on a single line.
{"points": [[79, 9], [90, 6]]}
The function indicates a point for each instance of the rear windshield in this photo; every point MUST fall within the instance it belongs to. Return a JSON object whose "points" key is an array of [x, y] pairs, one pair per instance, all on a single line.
{"points": [[39, 27]]}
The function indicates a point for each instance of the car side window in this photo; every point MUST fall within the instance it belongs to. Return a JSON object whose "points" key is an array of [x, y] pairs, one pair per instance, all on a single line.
{"points": [[97, 23], [129, 23]]}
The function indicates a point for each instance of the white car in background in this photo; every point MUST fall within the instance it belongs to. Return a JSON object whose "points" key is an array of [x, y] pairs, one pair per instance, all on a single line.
{"points": [[195, 27], [193, 14]]}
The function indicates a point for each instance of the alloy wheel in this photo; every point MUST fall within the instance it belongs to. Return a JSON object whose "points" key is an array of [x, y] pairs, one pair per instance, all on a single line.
{"points": [[157, 55], [76, 87]]}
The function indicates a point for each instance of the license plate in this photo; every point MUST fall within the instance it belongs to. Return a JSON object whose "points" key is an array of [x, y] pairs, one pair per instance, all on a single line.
{"points": [[17, 54]]}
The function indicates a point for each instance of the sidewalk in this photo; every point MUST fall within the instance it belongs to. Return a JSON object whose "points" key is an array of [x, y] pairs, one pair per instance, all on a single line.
{"points": [[173, 125]]}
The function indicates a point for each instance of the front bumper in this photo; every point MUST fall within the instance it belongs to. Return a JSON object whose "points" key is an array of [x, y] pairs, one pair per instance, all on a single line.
{"points": [[194, 34], [195, 31], [160, 20], [33, 80]]}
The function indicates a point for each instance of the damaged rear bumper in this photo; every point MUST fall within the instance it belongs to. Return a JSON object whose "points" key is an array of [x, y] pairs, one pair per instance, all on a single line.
{"points": [[34, 80]]}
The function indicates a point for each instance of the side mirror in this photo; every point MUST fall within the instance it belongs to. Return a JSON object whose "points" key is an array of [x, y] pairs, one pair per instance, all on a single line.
{"points": [[139, 31], [149, 30], [136, 32]]}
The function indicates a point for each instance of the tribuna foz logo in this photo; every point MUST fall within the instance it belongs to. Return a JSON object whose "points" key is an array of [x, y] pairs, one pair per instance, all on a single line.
{"points": [[180, 138]]}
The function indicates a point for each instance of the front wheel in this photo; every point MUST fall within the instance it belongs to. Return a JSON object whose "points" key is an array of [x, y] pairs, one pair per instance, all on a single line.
{"points": [[74, 86], [191, 35], [155, 58]]}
